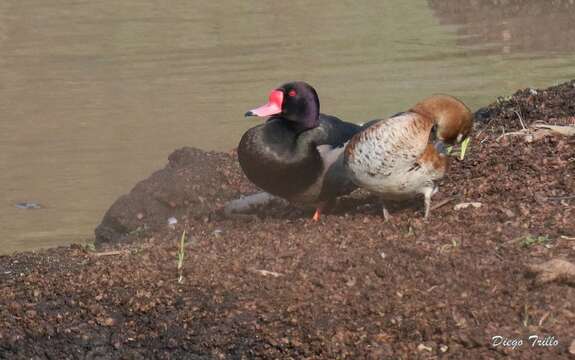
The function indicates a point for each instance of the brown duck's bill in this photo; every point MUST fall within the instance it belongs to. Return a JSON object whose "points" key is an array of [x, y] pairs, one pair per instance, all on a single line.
{"points": [[273, 107], [441, 148]]}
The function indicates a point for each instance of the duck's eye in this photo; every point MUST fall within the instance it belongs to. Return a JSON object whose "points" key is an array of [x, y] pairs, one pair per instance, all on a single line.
{"points": [[292, 93]]}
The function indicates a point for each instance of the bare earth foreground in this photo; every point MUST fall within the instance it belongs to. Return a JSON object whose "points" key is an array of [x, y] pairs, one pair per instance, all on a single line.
{"points": [[276, 285]]}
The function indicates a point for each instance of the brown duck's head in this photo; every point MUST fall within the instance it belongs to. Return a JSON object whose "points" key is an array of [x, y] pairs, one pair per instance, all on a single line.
{"points": [[452, 118]]}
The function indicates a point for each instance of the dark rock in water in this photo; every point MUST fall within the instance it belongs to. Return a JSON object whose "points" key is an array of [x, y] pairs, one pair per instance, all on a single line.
{"points": [[194, 184], [482, 115]]}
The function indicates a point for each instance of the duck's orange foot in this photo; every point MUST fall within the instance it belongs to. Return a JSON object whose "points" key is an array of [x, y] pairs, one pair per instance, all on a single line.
{"points": [[316, 215]]}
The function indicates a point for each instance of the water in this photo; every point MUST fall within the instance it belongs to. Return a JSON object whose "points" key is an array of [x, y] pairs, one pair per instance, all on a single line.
{"points": [[95, 94]]}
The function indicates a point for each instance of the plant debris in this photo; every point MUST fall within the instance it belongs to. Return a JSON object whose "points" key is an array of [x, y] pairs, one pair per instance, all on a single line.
{"points": [[276, 285]]}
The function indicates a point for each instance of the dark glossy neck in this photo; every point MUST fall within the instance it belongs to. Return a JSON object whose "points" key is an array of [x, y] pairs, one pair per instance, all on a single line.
{"points": [[310, 116], [305, 115], [306, 123]]}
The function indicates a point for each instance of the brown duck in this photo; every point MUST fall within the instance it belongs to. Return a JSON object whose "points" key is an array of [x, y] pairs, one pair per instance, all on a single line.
{"points": [[402, 156]]}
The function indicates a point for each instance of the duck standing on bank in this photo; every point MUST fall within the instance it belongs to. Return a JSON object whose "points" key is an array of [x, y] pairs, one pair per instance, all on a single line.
{"points": [[297, 154], [396, 157]]}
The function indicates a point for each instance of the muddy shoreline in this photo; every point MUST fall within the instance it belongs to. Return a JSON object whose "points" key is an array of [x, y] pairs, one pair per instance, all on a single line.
{"points": [[276, 285]]}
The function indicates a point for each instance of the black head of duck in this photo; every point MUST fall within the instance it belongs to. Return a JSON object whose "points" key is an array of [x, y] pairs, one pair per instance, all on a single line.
{"points": [[296, 102]]}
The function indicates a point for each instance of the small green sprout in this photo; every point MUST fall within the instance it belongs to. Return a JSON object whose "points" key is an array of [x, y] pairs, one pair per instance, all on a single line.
{"points": [[90, 246], [462, 151], [464, 146], [525, 315], [181, 255], [530, 240]]}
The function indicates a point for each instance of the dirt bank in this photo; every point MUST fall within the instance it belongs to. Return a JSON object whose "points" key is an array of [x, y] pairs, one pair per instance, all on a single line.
{"points": [[277, 285]]}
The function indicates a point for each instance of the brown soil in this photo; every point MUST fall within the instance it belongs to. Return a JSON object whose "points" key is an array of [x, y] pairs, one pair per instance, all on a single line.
{"points": [[277, 285]]}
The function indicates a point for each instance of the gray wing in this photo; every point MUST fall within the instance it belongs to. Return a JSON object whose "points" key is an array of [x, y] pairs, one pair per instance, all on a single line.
{"points": [[331, 131]]}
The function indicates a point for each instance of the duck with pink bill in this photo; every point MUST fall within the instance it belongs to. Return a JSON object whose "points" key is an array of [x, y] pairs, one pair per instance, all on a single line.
{"points": [[297, 153]]}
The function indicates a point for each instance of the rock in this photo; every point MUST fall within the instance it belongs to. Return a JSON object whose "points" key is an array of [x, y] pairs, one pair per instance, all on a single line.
{"points": [[572, 348], [194, 183], [554, 270], [423, 347], [251, 203], [465, 205]]}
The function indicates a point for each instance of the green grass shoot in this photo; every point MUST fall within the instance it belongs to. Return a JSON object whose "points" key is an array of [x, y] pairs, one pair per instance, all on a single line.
{"points": [[464, 146], [181, 255]]}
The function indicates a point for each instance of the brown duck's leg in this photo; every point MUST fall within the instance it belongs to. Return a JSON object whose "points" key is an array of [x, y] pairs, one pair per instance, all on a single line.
{"points": [[427, 194]]}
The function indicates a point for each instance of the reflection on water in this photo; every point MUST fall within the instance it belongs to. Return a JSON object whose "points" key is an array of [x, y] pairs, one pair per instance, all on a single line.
{"points": [[95, 94], [510, 26]]}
